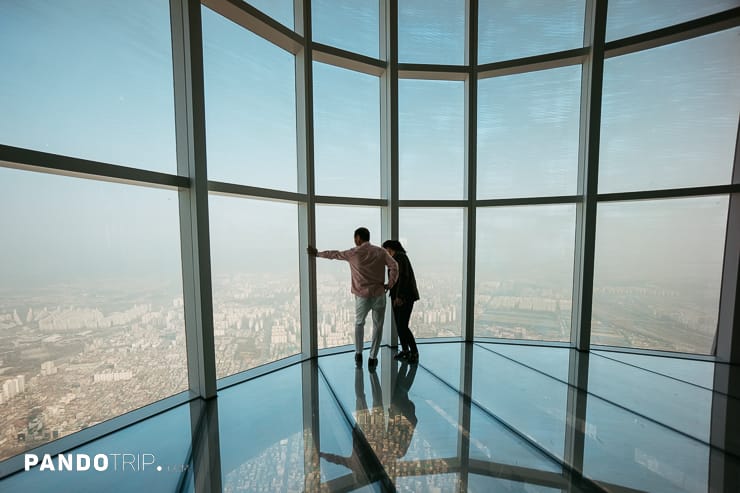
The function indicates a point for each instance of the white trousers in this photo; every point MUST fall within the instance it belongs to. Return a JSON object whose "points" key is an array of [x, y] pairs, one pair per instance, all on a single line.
{"points": [[362, 307]]}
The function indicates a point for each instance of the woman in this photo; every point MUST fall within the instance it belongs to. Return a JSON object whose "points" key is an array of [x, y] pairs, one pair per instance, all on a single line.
{"points": [[403, 295]]}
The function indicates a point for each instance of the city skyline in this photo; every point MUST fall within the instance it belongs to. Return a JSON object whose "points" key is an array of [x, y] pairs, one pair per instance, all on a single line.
{"points": [[76, 354]]}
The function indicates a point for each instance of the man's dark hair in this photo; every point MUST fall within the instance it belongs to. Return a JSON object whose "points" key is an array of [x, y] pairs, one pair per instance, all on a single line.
{"points": [[363, 233]]}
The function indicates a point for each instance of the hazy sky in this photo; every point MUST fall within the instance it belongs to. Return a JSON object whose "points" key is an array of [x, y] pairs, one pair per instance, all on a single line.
{"points": [[528, 134], [57, 229], [93, 79]]}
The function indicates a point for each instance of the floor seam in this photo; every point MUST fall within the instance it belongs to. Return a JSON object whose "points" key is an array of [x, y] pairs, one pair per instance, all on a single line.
{"points": [[610, 402], [367, 448], [566, 467]]}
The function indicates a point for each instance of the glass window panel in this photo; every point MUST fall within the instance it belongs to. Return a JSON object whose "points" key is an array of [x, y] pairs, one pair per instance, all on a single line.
{"points": [[534, 404], [431, 139], [352, 25], [492, 442], [679, 405], [657, 273], [347, 132], [444, 360], [478, 483], [553, 361], [528, 134], [335, 227], [434, 435], [261, 434], [630, 17], [250, 107], [699, 373], [256, 298], [280, 10], [669, 115], [431, 32], [524, 272], [91, 306], [90, 80], [429, 482], [337, 440], [411, 421], [508, 29], [628, 451], [437, 267], [167, 436]]}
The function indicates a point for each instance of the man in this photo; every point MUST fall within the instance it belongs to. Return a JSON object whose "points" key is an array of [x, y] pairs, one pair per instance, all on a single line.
{"points": [[367, 263]]}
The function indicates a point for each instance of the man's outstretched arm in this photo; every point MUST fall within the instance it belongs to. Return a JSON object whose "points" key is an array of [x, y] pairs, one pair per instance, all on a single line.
{"points": [[331, 254]]}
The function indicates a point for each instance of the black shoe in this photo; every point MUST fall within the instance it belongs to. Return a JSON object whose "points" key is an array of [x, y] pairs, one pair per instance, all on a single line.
{"points": [[402, 355], [372, 363], [358, 359], [413, 358]]}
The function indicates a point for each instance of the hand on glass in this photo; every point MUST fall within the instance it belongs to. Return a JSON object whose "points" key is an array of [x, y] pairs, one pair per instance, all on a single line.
{"points": [[312, 250]]}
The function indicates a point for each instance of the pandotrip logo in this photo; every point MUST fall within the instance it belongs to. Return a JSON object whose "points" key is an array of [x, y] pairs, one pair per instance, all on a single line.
{"points": [[99, 462]]}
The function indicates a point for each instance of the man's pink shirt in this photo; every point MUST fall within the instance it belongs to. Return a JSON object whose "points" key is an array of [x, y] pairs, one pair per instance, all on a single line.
{"points": [[367, 263]]}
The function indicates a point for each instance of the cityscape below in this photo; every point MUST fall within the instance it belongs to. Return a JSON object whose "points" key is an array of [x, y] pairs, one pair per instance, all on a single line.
{"points": [[72, 357]]}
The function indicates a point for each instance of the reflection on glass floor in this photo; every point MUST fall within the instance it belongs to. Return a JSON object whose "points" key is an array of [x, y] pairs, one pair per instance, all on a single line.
{"points": [[470, 417]]}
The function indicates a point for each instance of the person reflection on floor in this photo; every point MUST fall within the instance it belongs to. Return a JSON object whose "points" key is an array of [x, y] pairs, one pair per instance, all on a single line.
{"points": [[390, 444], [402, 414]]}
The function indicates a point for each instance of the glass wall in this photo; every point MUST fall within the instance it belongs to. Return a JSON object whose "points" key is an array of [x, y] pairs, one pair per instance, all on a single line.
{"points": [[528, 134], [256, 299], [433, 239], [90, 273], [509, 30], [657, 273], [431, 134], [669, 121], [352, 25], [431, 32], [630, 17], [91, 80], [524, 272], [279, 10], [670, 115], [90, 295], [347, 132], [250, 107]]}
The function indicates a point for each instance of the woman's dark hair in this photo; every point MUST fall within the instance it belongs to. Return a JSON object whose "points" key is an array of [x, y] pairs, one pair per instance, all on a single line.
{"points": [[394, 245]]}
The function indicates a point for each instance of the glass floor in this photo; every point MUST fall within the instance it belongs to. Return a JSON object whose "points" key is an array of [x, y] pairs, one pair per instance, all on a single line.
{"points": [[477, 417]]}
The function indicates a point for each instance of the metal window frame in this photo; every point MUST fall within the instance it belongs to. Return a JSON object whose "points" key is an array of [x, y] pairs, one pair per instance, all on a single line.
{"points": [[725, 428], [45, 162], [675, 33], [389, 146], [592, 74], [190, 129], [469, 240], [588, 173], [306, 181], [471, 167]]}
